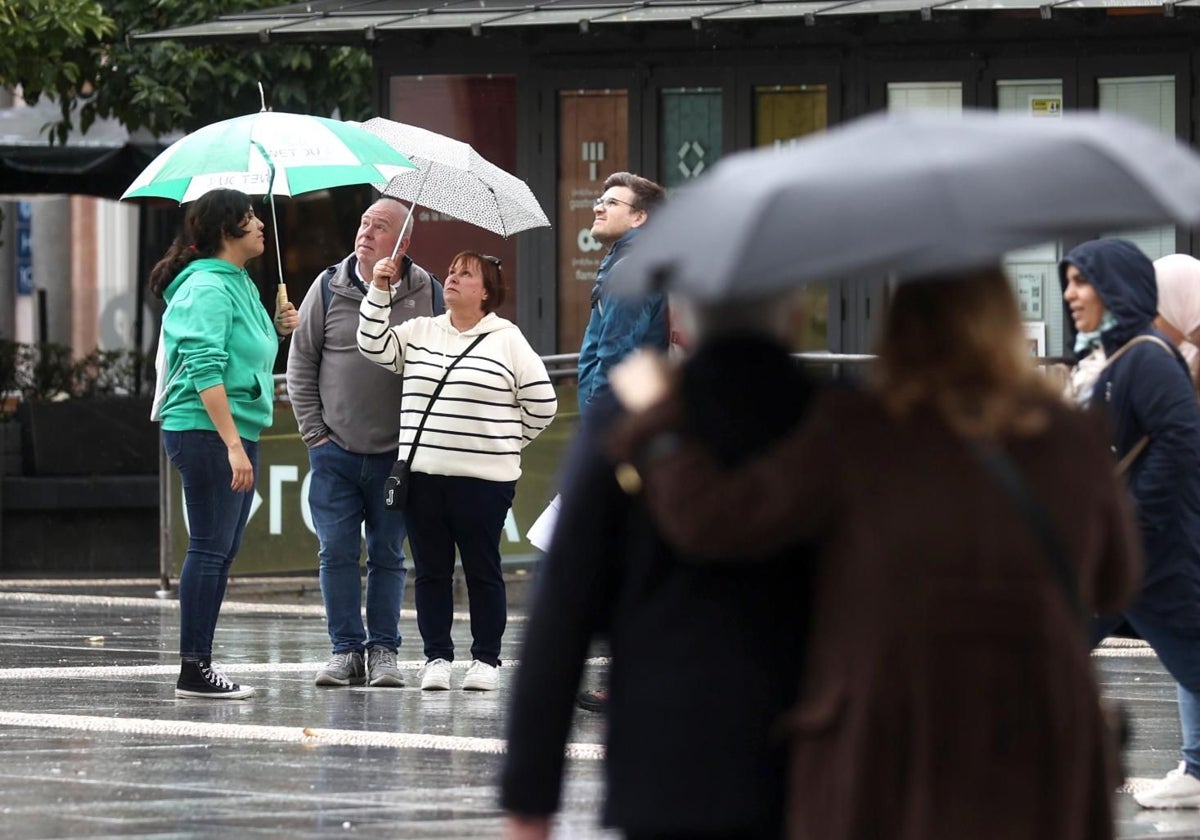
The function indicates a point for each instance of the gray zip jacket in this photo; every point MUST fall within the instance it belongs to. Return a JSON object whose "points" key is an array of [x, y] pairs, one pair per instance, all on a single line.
{"points": [[335, 392]]}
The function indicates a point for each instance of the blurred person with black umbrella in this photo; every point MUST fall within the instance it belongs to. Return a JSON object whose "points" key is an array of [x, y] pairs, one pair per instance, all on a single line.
{"points": [[966, 522], [688, 755]]}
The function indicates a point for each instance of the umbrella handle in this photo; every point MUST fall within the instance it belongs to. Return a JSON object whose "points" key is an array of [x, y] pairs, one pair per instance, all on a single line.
{"points": [[403, 230], [282, 292], [412, 208]]}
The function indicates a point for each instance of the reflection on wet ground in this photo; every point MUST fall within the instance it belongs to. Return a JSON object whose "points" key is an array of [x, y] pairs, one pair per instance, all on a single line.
{"points": [[95, 745]]}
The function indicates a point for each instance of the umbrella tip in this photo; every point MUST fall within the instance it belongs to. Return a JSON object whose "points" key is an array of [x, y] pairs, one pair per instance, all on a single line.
{"points": [[262, 96]]}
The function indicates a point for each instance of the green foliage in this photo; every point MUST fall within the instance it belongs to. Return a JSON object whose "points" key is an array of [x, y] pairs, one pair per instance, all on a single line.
{"points": [[41, 372], [48, 46], [163, 86]]}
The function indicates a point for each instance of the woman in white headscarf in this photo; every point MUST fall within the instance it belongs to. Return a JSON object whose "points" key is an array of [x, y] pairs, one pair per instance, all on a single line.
{"points": [[1178, 277]]}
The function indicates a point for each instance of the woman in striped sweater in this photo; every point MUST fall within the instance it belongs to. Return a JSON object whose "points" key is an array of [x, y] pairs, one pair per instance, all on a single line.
{"points": [[467, 461]]}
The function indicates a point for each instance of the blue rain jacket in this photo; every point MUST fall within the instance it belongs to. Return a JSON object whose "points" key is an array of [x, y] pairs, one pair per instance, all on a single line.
{"points": [[1148, 391], [616, 328]]}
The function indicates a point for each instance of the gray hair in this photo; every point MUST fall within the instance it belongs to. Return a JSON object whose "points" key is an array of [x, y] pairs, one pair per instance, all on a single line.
{"points": [[409, 221]]}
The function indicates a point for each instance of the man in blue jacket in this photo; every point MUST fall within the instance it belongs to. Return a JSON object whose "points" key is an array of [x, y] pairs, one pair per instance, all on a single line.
{"points": [[1144, 384], [617, 326]]}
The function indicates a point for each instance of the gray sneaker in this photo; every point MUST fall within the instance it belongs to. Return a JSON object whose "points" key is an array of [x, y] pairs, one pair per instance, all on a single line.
{"points": [[382, 670], [343, 669]]}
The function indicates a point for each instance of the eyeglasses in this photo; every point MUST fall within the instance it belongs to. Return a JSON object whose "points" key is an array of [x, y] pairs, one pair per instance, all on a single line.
{"points": [[609, 202], [493, 260]]}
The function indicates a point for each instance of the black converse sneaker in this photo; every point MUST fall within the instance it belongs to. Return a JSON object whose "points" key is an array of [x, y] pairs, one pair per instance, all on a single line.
{"points": [[199, 679]]}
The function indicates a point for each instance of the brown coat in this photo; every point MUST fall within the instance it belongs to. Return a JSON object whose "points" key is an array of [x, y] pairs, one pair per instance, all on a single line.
{"points": [[948, 693]]}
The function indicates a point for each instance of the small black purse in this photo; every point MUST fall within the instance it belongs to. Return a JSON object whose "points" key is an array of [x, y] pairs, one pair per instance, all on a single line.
{"points": [[395, 488]]}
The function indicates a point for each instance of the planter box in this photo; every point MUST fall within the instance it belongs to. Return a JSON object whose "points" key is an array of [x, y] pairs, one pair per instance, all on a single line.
{"points": [[120, 542], [103, 436], [10, 448]]}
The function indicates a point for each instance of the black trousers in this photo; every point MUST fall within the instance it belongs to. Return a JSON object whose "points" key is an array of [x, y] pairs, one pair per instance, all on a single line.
{"points": [[444, 513]]}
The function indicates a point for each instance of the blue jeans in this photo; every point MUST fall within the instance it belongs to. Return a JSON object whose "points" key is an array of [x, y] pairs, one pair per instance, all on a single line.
{"points": [[216, 521], [345, 491], [1180, 655], [445, 511]]}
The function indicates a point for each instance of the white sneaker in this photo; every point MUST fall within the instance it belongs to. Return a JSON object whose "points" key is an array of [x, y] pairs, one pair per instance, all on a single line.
{"points": [[481, 677], [1176, 790], [436, 676]]}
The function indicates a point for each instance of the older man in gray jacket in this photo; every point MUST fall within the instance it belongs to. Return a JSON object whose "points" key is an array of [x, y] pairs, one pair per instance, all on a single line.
{"points": [[348, 411]]}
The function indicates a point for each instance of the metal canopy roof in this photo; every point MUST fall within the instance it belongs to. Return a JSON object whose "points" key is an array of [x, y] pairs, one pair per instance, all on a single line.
{"points": [[101, 162], [353, 21]]}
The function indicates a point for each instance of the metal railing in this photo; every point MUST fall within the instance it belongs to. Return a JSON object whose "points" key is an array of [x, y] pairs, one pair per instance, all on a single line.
{"points": [[566, 365], [279, 539]]}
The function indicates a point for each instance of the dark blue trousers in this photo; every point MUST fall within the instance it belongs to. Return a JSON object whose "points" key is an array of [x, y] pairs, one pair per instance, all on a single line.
{"points": [[1180, 655], [216, 520]]}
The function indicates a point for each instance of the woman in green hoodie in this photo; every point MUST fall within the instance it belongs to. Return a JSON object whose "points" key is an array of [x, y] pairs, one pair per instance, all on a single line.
{"points": [[216, 396]]}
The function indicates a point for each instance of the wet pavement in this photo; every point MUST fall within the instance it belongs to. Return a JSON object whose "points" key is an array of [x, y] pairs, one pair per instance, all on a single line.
{"points": [[95, 745]]}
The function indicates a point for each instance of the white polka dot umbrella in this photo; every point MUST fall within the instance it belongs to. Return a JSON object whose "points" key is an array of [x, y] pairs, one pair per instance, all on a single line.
{"points": [[452, 178]]}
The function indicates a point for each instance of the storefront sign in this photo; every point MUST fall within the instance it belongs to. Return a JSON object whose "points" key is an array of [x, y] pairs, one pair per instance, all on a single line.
{"points": [[1035, 338], [24, 255], [1045, 106], [1031, 283]]}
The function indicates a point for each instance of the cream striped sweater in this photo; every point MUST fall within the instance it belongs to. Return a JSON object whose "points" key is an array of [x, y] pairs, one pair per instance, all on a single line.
{"points": [[496, 400]]}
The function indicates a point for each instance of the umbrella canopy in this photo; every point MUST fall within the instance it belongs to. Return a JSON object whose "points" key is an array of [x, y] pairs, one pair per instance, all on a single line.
{"points": [[268, 152], [912, 195], [455, 179]]}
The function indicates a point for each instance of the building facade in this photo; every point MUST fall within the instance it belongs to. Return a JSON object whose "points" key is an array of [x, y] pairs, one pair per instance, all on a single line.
{"points": [[564, 92]]}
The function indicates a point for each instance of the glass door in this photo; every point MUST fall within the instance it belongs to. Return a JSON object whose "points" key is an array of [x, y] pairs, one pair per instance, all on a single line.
{"points": [[690, 133], [782, 115], [1034, 271], [593, 142], [1150, 99], [476, 109]]}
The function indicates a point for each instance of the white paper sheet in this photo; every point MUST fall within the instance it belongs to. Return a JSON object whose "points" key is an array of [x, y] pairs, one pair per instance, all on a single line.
{"points": [[542, 529]]}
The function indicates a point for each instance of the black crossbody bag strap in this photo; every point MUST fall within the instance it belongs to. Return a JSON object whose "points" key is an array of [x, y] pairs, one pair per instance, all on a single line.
{"points": [[1009, 477], [429, 406]]}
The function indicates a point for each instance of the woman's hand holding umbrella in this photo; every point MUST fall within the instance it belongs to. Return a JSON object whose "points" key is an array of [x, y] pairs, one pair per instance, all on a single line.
{"points": [[384, 273], [286, 316]]}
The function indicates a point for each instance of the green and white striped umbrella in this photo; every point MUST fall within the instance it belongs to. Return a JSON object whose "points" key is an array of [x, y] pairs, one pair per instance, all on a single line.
{"points": [[268, 153]]}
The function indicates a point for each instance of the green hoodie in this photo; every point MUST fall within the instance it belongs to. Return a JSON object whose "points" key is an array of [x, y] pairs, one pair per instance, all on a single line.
{"points": [[216, 331]]}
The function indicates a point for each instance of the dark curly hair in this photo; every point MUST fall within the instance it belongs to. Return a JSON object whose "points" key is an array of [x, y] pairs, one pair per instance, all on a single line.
{"points": [[211, 218]]}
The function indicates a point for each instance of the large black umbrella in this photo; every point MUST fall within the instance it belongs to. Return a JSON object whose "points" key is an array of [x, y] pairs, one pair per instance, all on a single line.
{"points": [[912, 195]]}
